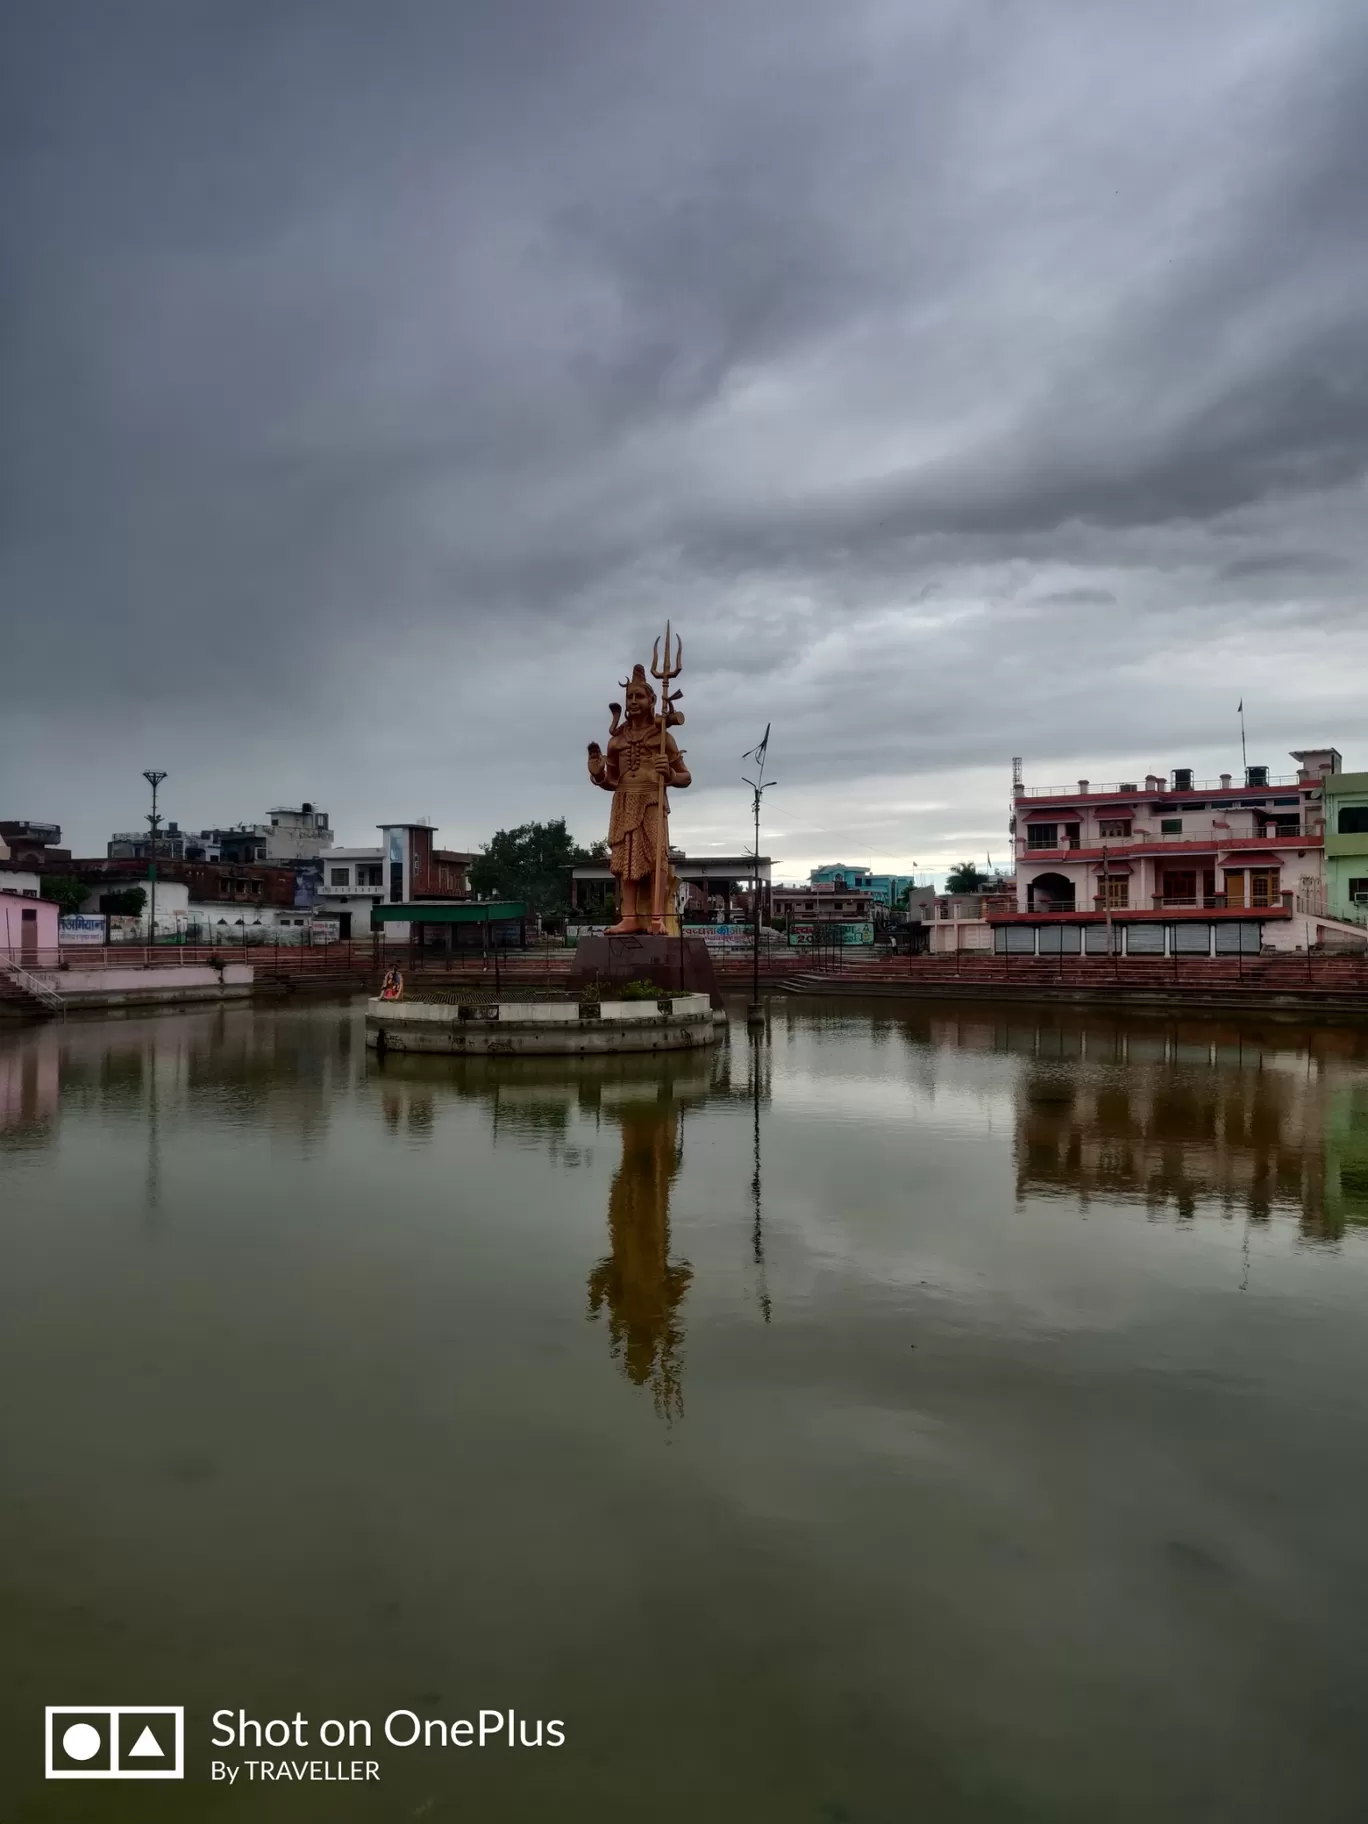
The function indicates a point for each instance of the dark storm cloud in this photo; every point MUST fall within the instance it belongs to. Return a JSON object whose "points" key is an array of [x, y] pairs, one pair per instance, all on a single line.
{"points": [[966, 380], [1284, 564]]}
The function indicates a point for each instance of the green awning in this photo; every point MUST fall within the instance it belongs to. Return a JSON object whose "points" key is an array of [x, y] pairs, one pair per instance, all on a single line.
{"points": [[467, 912]]}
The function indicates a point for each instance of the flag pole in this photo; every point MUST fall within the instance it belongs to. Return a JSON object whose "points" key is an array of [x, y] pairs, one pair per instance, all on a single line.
{"points": [[1244, 756]]}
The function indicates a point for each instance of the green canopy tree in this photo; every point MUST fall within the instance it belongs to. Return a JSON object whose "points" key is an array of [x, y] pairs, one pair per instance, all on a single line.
{"points": [[68, 892], [965, 878], [531, 863], [126, 902]]}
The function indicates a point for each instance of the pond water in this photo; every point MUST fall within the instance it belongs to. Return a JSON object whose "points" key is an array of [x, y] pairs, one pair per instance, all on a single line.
{"points": [[920, 1412]]}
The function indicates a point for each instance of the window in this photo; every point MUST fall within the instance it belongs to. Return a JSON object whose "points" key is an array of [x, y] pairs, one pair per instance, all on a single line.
{"points": [[340, 877], [256, 889], [1263, 886], [1114, 826], [1042, 835], [1353, 820], [225, 885], [1358, 892], [1259, 887], [1116, 894], [397, 882], [1171, 826]]}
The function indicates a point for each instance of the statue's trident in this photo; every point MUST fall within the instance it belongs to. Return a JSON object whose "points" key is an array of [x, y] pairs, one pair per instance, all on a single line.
{"points": [[666, 674]]}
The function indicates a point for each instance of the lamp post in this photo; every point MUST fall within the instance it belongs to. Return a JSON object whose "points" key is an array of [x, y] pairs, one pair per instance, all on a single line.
{"points": [[755, 1013], [154, 779]]}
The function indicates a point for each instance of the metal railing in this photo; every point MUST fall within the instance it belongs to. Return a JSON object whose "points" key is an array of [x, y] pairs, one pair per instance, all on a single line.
{"points": [[32, 985], [1222, 902], [1137, 788], [1214, 835]]}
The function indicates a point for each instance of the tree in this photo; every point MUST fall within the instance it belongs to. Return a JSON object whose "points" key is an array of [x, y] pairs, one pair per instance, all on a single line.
{"points": [[531, 863], [69, 892], [126, 902], [965, 878]]}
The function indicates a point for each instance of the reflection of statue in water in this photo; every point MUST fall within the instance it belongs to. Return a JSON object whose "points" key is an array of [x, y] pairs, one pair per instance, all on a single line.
{"points": [[637, 1281], [641, 761]]}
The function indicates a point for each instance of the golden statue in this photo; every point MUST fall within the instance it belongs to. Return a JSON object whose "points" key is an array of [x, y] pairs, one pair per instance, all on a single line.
{"points": [[641, 761]]}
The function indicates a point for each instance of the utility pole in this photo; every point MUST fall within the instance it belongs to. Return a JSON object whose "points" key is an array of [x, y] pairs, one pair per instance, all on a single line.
{"points": [[154, 779], [755, 1013], [1106, 903]]}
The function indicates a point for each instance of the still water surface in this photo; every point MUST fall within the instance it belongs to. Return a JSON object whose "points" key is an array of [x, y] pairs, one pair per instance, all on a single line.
{"points": [[930, 1413]]}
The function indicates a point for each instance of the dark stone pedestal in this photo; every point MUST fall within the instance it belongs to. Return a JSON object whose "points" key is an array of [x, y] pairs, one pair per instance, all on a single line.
{"points": [[679, 963]]}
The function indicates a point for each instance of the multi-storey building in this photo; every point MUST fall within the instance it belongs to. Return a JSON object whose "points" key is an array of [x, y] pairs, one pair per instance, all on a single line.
{"points": [[884, 889], [353, 881], [1346, 846], [32, 844], [299, 835], [1179, 864], [823, 902], [405, 867]]}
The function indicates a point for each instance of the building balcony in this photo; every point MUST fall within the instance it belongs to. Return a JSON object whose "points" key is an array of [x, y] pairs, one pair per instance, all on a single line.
{"points": [[1217, 902], [1206, 839], [1139, 788]]}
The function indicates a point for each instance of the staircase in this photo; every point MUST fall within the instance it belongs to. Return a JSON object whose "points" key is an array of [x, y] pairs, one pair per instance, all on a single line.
{"points": [[18, 986]]}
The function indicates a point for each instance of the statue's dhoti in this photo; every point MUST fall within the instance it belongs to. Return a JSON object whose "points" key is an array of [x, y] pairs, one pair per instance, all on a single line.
{"points": [[632, 832]]}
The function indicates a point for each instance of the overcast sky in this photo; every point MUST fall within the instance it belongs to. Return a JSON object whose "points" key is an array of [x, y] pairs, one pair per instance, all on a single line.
{"points": [[964, 380]]}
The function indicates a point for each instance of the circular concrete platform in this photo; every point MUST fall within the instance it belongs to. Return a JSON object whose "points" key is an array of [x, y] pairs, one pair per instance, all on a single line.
{"points": [[567, 1028]]}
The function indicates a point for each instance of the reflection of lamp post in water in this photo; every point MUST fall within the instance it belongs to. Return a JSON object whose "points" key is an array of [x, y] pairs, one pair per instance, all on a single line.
{"points": [[757, 1233], [755, 1013]]}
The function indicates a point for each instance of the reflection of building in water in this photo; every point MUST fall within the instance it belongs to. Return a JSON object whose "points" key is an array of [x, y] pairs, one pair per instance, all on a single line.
{"points": [[637, 1281], [30, 1080], [1275, 1134], [1346, 1155]]}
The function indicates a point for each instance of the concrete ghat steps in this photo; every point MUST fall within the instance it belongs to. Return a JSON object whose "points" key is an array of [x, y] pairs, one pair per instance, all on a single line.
{"points": [[17, 997]]}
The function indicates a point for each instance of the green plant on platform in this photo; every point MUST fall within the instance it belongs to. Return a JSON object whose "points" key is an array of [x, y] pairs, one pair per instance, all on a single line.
{"points": [[636, 991]]}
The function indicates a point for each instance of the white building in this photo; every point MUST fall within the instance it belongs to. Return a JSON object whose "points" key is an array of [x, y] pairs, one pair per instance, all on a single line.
{"points": [[301, 835], [353, 880]]}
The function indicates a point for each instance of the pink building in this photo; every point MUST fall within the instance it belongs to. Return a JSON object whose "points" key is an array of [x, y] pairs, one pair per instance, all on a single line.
{"points": [[28, 924], [1178, 864]]}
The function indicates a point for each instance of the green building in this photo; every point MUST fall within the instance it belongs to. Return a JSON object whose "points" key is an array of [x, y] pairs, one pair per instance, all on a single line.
{"points": [[1346, 846]]}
